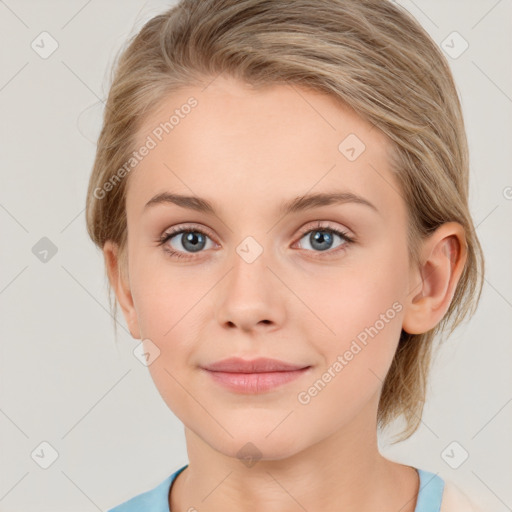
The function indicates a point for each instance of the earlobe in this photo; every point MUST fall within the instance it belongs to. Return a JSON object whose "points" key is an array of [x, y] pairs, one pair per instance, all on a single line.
{"points": [[444, 256], [118, 278]]}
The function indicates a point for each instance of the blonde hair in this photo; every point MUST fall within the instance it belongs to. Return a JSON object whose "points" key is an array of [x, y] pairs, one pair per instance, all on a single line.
{"points": [[371, 55]]}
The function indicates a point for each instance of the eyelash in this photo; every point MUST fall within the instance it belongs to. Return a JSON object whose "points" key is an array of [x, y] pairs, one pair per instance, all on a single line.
{"points": [[191, 229]]}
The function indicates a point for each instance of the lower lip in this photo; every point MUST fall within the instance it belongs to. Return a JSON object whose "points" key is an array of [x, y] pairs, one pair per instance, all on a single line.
{"points": [[253, 383]]}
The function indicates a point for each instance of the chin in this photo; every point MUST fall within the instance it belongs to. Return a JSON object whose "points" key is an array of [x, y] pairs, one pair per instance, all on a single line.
{"points": [[253, 446]]}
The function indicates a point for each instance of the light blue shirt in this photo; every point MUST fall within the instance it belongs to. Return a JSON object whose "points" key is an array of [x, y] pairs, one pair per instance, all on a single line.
{"points": [[157, 499]]}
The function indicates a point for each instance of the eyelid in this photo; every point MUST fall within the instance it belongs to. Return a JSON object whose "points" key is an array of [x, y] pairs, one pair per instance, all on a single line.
{"points": [[328, 226], [180, 228], [319, 224]]}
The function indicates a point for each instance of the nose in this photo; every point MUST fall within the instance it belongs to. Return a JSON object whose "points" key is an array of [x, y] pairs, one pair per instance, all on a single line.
{"points": [[250, 296]]}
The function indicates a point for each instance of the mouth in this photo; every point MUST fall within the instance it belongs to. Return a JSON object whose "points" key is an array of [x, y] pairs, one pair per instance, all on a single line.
{"points": [[254, 376]]}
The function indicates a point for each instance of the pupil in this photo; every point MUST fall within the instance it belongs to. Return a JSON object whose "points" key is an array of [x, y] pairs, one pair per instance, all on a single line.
{"points": [[196, 241], [318, 240]]}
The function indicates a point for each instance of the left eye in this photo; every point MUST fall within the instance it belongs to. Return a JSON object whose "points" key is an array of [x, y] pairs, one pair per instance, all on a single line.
{"points": [[321, 239]]}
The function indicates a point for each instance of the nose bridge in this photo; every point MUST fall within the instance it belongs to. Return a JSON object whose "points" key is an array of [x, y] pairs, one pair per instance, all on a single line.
{"points": [[251, 250], [258, 248], [249, 265], [254, 242]]}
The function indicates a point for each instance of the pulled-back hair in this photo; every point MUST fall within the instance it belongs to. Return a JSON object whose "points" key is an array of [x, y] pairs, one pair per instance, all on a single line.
{"points": [[369, 54]]}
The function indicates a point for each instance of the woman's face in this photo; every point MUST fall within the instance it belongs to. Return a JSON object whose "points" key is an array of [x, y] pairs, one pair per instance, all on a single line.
{"points": [[263, 273]]}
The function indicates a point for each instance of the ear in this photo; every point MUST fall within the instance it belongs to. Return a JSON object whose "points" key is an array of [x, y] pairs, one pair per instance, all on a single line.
{"points": [[443, 257], [117, 270]]}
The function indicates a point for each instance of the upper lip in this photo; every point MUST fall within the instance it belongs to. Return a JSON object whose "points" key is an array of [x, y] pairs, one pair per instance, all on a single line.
{"points": [[260, 365]]}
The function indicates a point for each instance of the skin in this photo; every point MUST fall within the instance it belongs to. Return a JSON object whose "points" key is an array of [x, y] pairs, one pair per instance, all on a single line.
{"points": [[247, 151]]}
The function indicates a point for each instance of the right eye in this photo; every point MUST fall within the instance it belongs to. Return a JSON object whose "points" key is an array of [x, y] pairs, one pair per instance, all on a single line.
{"points": [[187, 241]]}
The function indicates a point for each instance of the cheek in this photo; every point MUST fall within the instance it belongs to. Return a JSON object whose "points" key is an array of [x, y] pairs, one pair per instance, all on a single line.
{"points": [[164, 296], [349, 300], [166, 314], [168, 304], [355, 360], [358, 318]]}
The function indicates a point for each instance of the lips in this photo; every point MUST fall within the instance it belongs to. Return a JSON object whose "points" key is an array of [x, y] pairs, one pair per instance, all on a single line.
{"points": [[255, 376], [260, 365]]}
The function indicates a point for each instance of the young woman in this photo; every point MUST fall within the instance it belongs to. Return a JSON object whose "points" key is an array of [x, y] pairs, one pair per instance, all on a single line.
{"points": [[280, 192]]}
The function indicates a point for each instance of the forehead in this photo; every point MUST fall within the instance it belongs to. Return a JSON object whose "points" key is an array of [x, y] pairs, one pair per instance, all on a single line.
{"points": [[240, 145]]}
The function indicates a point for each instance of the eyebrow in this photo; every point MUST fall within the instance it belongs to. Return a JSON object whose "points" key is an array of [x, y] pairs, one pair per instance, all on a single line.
{"points": [[301, 203]]}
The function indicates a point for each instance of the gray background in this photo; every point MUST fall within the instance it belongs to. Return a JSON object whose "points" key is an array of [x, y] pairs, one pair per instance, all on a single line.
{"points": [[64, 381]]}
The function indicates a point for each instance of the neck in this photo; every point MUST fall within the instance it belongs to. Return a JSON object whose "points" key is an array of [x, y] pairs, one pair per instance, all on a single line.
{"points": [[342, 472]]}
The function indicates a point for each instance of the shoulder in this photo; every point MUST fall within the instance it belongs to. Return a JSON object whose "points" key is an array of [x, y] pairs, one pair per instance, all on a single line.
{"points": [[439, 495], [455, 500], [153, 500]]}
